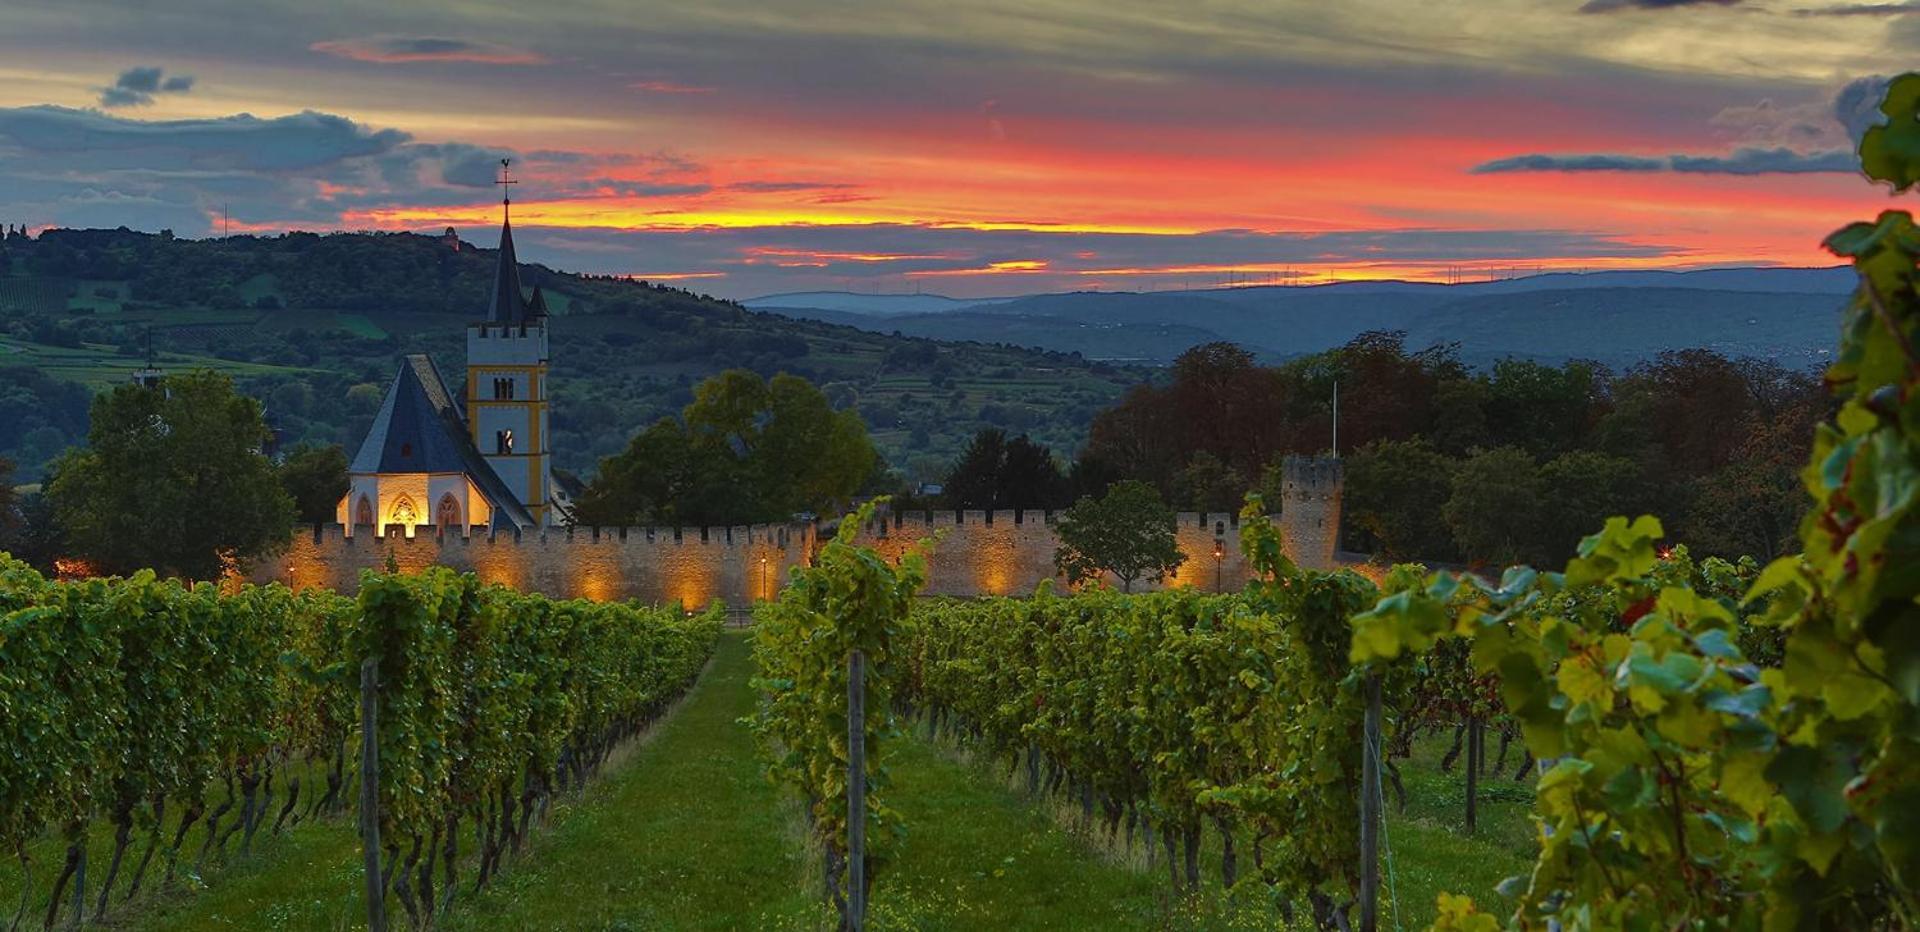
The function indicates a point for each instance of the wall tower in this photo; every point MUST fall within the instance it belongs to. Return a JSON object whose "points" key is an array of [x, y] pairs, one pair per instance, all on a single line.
{"points": [[1311, 488]]}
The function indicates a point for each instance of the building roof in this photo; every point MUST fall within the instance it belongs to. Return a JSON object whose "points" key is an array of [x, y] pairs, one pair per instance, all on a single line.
{"points": [[420, 429], [508, 304]]}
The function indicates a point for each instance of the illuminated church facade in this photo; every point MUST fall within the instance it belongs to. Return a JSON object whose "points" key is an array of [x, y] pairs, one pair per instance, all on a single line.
{"points": [[434, 460]]}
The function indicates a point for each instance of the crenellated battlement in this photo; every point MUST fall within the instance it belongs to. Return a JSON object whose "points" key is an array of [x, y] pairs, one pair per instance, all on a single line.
{"points": [[690, 565], [883, 524], [736, 535], [1001, 552], [1311, 478]]}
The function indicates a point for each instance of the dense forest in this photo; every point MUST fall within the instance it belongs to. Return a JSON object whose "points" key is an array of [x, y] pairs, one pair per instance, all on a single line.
{"points": [[1513, 463], [315, 325]]}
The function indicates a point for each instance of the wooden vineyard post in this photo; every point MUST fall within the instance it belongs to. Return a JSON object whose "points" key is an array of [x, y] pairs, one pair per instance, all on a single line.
{"points": [[1476, 730], [856, 791], [1370, 811], [370, 793]]}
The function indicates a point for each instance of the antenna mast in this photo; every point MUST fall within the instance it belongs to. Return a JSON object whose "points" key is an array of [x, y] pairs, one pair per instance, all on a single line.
{"points": [[1336, 418]]}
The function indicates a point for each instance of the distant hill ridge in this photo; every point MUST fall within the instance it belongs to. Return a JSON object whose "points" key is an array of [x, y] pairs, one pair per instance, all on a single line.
{"points": [[1614, 317]]}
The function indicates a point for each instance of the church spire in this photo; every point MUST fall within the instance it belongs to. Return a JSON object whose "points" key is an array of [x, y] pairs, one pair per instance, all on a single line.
{"points": [[508, 305]]}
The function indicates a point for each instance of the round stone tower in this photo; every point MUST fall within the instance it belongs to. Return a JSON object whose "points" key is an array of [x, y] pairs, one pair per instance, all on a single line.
{"points": [[1310, 509]]}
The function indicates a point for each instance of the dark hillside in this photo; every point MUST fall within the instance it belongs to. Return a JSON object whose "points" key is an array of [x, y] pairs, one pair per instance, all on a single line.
{"points": [[315, 324]]}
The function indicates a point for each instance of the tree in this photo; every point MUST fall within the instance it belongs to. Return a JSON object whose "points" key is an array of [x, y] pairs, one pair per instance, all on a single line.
{"points": [[172, 478], [996, 473], [1209, 485], [1585, 488], [744, 450], [1546, 409], [1395, 493], [1753, 505], [11, 518], [1128, 532], [1496, 507], [315, 477]]}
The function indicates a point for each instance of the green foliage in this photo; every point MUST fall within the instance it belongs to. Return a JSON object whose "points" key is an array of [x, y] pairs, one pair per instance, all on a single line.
{"points": [[1497, 506], [1128, 532], [1395, 490], [172, 479], [491, 700], [746, 450], [1584, 487], [10, 517], [127, 695], [1715, 771], [1690, 433], [849, 600], [1174, 707], [315, 477], [996, 473]]}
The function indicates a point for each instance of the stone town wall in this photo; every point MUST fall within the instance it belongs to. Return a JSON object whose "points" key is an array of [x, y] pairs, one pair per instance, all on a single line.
{"points": [[691, 566], [976, 552], [1010, 552]]}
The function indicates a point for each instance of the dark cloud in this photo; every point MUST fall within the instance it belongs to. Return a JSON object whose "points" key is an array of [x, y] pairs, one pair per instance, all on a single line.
{"points": [[143, 78], [389, 49], [762, 260], [1861, 9], [136, 86], [1609, 6], [1573, 163], [1855, 107], [85, 167], [1740, 162]]}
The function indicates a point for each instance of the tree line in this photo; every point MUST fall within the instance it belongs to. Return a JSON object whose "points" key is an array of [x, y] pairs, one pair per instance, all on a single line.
{"points": [[1444, 463]]}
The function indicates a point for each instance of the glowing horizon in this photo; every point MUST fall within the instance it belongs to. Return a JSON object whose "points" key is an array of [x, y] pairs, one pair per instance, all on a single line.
{"points": [[1091, 145]]}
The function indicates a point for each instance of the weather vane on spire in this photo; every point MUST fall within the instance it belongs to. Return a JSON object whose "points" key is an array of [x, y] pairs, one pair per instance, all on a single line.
{"points": [[506, 199]]}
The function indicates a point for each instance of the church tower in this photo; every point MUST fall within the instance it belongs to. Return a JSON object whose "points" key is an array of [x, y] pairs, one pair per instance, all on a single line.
{"points": [[507, 381]]}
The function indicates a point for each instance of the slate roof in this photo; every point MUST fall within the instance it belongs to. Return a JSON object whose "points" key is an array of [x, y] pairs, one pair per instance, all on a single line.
{"points": [[420, 428], [509, 303]]}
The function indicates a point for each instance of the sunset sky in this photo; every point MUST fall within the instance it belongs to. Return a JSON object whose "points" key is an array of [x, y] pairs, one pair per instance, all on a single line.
{"points": [[967, 148]]}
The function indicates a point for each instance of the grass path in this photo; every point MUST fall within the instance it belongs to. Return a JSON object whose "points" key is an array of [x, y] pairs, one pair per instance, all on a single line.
{"points": [[978, 856], [688, 834]]}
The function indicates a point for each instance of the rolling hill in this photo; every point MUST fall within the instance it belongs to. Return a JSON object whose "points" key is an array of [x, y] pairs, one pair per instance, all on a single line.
{"points": [[315, 325], [1618, 318]]}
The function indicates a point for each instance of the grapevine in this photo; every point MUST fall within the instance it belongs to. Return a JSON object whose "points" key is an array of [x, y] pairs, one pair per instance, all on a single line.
{"points": [[1163, 714], [850, 600], [125, 699]]}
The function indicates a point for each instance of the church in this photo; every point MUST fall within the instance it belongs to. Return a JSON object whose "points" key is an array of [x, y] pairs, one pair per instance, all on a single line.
{"points": [[437, 460]]}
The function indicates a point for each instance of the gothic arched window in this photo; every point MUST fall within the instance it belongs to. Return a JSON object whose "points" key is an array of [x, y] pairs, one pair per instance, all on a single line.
{"points": [[363, 512], [448, 514], [404, 513]]}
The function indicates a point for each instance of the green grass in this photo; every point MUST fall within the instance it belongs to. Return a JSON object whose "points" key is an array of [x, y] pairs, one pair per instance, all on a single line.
{"points": [[360, 326], [963, 812], [688, 834]]}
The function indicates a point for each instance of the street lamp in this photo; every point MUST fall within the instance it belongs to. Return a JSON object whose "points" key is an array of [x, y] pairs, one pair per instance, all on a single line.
{"points": [[1219, 558], [764, 593]]}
